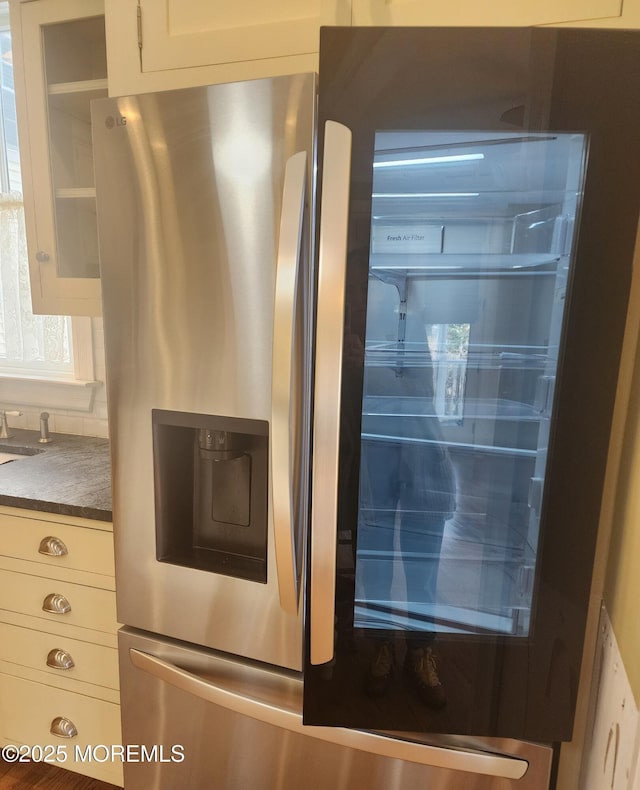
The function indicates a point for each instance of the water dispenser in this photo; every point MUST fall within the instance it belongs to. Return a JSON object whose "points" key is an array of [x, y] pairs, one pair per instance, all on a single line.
{"points": [[211, 483]]}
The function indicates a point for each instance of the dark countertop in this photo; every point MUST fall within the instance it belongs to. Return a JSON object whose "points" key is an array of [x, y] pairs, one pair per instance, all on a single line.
{"points": [[70, 476]]}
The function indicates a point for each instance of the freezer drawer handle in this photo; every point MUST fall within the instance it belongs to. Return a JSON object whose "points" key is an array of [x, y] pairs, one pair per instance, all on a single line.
{"points": [[332, 262], [457, 756], [56, 604], [52, 547], [284, 437]]}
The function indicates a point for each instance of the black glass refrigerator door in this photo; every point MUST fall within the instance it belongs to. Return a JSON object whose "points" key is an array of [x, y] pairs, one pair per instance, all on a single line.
{"points": [[478, 211]]}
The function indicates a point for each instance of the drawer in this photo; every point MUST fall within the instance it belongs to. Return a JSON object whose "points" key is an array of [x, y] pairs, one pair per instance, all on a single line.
{"points": [[60, 657], [29, 710], [90, 607], [81, 548]]}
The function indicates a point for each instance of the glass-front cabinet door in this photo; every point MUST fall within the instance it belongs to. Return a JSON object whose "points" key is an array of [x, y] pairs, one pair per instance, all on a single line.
{"points": [[487, 257], [60, 67]]}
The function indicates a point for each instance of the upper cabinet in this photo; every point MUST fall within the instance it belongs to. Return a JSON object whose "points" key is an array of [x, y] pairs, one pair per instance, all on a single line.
{"points": [[472, 13], [60, 66], [164, 44]]}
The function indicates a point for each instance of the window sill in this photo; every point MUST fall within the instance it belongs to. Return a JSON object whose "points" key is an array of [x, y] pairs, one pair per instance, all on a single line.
{"points": [[67, 395]]}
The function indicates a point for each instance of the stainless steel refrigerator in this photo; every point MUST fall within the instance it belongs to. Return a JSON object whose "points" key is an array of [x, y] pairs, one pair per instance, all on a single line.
{"points": [[346, 413]]}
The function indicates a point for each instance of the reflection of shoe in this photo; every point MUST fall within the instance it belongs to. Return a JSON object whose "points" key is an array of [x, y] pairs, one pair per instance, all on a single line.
{"points": [[379, 671], [421, 672]]}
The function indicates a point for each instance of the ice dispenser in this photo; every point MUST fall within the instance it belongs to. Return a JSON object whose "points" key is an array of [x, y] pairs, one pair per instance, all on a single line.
{"points": [[211, 482]]}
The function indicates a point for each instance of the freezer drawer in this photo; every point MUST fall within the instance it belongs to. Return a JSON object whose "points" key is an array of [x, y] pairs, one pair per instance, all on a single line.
{"points": [[240, 726]]}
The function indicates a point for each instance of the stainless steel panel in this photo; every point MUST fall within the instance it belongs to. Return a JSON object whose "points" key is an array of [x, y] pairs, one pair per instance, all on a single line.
{"points": [[189, 187], [208, 707]]}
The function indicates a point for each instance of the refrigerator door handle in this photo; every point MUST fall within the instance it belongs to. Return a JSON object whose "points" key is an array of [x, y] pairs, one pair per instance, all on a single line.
{"points": [[332, 262], [396, 746], [283, 384]]}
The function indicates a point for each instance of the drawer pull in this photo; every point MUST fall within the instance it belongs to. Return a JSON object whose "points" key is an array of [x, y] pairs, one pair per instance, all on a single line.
{"points": [[56, 604], [63, 728], [52, 547], [59, 659]]}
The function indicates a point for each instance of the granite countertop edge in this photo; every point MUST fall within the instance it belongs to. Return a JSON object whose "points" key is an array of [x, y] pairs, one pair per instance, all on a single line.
{"points": [[58, 508], [70, 476]]}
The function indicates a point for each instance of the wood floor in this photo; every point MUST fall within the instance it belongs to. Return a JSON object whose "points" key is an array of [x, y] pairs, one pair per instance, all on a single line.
{"points": [[25, 776]]}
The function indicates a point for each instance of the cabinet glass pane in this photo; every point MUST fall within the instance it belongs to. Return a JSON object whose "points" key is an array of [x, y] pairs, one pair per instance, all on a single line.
{"points": [[70, 138], [77, 230], [469, 257], [76, 71], [75, 51]]}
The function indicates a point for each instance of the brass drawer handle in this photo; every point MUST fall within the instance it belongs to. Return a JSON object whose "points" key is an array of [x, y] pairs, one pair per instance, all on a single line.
{"points": [[63, 728], [56, 604], [52, 547], [59, 659]]}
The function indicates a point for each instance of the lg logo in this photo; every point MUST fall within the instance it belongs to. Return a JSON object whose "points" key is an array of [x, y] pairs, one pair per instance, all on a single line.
{"points": [[119, 120]]}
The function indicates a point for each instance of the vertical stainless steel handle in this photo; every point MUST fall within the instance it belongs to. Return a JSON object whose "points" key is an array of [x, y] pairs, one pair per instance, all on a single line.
{"points": [[332, 262], [282, 386]]}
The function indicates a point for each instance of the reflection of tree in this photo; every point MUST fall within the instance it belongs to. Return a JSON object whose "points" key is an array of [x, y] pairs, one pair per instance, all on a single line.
{"points": [[449, 345], [457, 343]]}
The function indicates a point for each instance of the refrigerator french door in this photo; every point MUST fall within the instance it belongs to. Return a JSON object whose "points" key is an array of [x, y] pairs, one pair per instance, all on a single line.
{"points": [[479, 195], [206, 305]]}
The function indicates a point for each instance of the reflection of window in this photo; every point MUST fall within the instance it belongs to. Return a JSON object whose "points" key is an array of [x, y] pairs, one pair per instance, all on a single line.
{"points": [[449, 347], [30, 345]]}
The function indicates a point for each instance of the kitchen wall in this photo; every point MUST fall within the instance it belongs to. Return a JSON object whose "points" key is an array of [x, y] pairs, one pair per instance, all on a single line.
{"points": [[622, 586], [609, 697]]}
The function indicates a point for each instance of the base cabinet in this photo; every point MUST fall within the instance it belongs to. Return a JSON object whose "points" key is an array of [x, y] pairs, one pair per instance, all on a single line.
{"points": [[59, 684]]}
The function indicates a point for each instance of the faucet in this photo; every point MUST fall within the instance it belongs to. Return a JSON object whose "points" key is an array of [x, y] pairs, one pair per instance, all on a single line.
{"points": [[4, 425], [44, 428]]}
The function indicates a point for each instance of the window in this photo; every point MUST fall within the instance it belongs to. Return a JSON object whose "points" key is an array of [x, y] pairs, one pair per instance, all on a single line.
{"points": [[31, 346]]}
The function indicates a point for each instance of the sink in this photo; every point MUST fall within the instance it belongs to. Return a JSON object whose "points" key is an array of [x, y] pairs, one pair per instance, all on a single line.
{"points": [[8, 453], [6, 457]]}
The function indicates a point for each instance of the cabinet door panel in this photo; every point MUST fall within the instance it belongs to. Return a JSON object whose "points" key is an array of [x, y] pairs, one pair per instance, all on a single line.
{"points": [[187, 33], [469, 13], [88, 607], [30, 709], [84, 549], [24, 647], [59, 64]]}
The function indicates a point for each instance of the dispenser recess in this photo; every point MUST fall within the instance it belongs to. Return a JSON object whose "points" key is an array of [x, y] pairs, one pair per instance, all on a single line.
{"points": [[211, 475]]}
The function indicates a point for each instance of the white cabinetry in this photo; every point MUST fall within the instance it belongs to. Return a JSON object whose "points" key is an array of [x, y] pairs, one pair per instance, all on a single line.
{"points": [[468, 12], [60, 65], [58, 646], [164, 44]]}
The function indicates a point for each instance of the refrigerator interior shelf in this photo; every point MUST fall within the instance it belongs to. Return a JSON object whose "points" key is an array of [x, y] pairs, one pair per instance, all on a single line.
{"points": [[415, 265], [382, 615], [476, 408], [514, 452]]}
